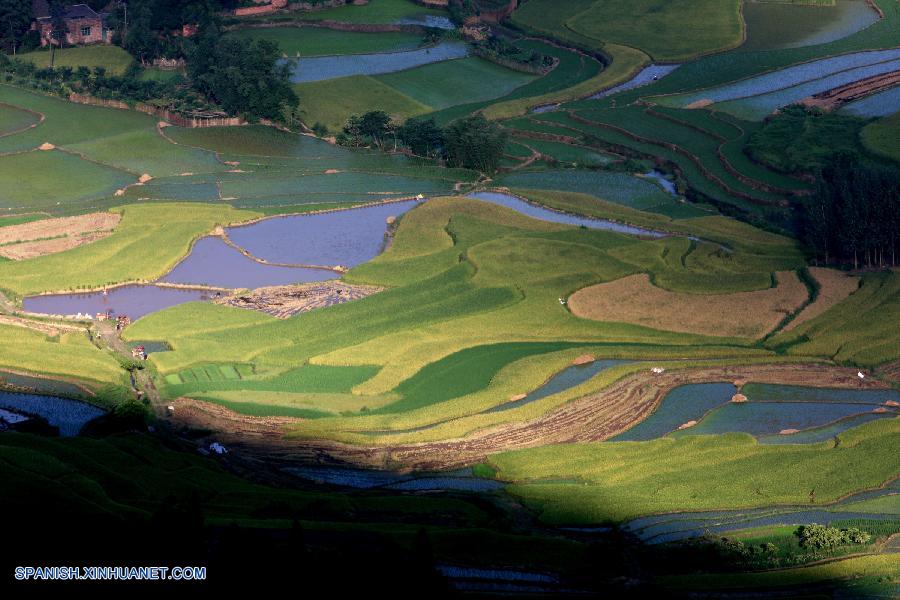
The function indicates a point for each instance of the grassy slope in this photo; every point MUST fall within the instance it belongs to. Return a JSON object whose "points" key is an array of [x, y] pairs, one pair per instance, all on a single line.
{"points": [[666, 30], [113, 58], [148, 242], [883, 136], [70, 355], [311, 41], [501, 293], [332, 101], [617, 481]]}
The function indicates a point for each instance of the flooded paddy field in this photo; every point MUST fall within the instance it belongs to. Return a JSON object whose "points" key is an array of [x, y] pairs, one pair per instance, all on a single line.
{"points": [[772, 413], [880, 104], [132, 300], [306, 70]]}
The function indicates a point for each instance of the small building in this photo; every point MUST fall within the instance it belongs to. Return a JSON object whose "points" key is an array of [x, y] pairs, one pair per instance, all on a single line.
{"points": [[122, 321], [139, 352], [84, 25]]}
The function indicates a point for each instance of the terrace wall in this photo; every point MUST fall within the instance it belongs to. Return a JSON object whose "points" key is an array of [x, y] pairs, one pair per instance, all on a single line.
{"points": [[162, 113]]}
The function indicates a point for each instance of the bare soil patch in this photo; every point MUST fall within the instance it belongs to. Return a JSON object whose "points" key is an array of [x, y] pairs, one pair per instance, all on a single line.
{"points": [[834, 287], [635, 300], [837, 97], [48, 236], [287, 300]]}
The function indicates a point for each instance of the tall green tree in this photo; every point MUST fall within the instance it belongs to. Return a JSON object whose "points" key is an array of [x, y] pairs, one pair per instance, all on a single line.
{"points": [[475, 143], [15, 20], [243, 77]]}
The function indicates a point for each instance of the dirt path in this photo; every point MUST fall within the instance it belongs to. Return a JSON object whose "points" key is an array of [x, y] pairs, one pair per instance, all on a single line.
{"points": [[595, 417]]}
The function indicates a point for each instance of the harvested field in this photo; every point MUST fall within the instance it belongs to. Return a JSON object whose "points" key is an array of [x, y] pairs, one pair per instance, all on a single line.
{"points": [[48, 329], [635, 300], [834, 287], [595, 417], [288, 300], [48, 236]]}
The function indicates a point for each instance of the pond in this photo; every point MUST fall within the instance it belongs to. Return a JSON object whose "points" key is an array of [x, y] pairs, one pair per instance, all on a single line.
{"points": [[426, 20], [565, 379], [346, 237], [546, 214], [816, 413], [306, 70], [213, 262], [69, 415], [132, 300], [772, 25]]}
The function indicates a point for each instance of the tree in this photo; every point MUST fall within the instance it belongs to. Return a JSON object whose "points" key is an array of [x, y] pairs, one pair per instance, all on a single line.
{"points": [[422, 136], [375, 125], [475, 143], [244, 78], [15, 17]]}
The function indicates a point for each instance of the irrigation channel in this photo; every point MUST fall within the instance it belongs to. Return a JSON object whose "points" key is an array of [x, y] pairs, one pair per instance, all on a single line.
{"points": [[321, 68]]}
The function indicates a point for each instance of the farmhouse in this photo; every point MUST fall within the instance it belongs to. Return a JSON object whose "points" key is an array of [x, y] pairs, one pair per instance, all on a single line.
{"points": [[83, 24]]}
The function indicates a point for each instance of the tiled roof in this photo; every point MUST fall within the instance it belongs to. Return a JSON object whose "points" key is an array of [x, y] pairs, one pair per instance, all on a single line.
{"points": [[77, 11]]}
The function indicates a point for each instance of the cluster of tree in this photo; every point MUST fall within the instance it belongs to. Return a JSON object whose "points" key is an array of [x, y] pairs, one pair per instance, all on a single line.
{"points": [[15, 22], [822, 537], [854, 215], [128, 87], [244, 78], [802, 140], [154, 28], [500, 50], [472, 143]]}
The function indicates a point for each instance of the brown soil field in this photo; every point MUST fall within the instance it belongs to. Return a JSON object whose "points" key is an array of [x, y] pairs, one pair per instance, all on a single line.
{"points": [[594, 417], [834, 287], [48, 236], [49, 329], [635, 300], [287, 300]]}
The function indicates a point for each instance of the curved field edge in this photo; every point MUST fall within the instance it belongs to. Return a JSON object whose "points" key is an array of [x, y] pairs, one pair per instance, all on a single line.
{"points": [[613, 482]]}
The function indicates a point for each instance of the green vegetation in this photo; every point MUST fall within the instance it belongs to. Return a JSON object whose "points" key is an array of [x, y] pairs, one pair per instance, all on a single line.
{"points": [[124, 256], [379, 11], [314, 41], [667, 31], [674, 474], [112, 58], [882, 136]]}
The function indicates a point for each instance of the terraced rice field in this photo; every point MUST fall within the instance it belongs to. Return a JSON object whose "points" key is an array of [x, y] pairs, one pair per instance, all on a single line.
{"points": [[881, 104], [314, 41], [773, 25], [112, 58]]}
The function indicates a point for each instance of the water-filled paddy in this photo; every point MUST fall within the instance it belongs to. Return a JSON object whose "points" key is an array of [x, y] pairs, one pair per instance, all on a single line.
{"points": [[758, 107], [816, 413], [783, 78], [69, 415], [346, 238], [545, 214], [881, 104], [306, 70], [620, 188], [565, 379], [683, 404], [212, 262], [132, 300], [645, 76], [773, 25], [461, 480]]}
